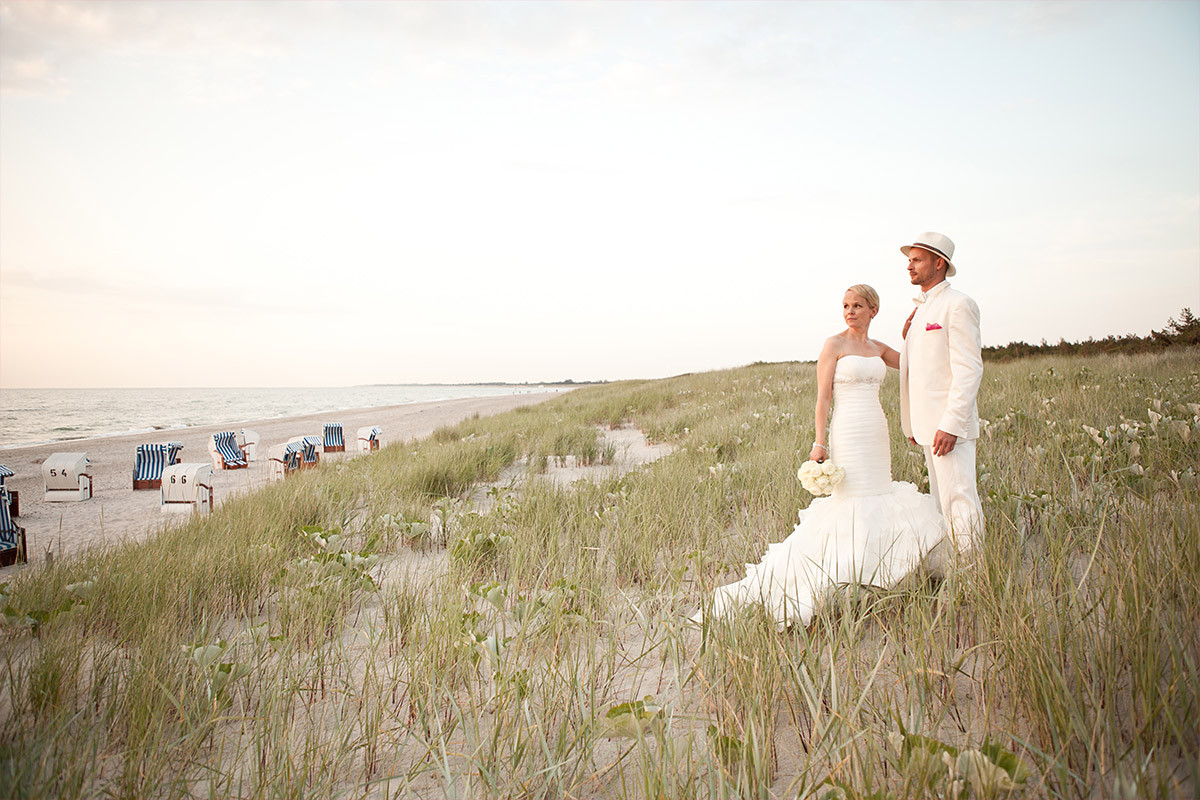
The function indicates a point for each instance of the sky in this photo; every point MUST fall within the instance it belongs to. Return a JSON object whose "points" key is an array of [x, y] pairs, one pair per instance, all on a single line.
{"points": [[226, 193]]}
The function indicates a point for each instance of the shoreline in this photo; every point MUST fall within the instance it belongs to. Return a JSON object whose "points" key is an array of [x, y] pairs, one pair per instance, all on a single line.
{"points": [[116, 512], [144, 414]]}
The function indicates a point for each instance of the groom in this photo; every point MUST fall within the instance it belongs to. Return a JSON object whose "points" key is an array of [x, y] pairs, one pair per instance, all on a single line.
{"points": [[940, 370]]}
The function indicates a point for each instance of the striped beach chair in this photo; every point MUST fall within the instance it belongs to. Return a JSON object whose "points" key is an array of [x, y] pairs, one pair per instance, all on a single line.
{"points": [[284, 459], [292, 453], [12, 535], [150, 462], [310, 454], [335, 442], [14, 499], [368, 438], [225, 452]]}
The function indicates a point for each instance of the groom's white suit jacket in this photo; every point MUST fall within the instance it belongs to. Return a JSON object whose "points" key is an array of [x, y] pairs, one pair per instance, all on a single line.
{"points": [[941, 367]]}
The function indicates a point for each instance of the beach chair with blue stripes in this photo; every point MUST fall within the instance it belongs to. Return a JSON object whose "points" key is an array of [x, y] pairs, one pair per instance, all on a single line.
{"points": [[14, 497], [12, 535], [310, 450], [335, 442], [368, 438], [150, 462], [225, 452], [285, 459]]}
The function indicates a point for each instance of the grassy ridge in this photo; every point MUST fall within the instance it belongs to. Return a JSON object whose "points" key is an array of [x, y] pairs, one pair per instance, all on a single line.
{"points": [[361, 630]]}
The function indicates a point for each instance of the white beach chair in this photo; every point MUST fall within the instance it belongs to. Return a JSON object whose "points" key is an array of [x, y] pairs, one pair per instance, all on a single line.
{"points": [[368, 438], [187, 488], [248, 441], [225, 452], [68, 477]]}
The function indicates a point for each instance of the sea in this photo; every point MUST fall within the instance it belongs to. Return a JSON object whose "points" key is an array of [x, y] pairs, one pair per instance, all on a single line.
{"points": [[45, 416]]}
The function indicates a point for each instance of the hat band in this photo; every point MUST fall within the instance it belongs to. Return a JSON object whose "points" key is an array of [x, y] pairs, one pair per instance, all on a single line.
{"points": [[932, 249]]}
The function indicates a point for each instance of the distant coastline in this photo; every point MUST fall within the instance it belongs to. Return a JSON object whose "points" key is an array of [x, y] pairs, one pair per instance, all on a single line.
{"points": [[567, 382]]}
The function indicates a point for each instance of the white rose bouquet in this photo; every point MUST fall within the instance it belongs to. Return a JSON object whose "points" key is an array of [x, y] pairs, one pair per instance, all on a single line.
{"points": [[820, 478]]}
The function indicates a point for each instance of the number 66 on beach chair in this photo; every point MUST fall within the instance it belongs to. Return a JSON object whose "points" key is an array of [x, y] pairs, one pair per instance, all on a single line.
{"points": [[226, 454], [187, 488]]}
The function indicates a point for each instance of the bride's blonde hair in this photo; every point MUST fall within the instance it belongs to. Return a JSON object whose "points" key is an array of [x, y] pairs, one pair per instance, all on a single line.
{"points": [[866, 293]]}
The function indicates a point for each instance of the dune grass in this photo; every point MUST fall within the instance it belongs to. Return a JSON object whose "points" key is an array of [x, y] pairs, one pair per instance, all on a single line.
{"points": [[364, 630]]}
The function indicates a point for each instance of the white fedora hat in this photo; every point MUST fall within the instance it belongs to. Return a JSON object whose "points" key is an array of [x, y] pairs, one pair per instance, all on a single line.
{"points": [[937, 244]]}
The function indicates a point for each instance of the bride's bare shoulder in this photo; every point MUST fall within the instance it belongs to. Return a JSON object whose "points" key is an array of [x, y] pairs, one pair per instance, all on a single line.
{"points": [[834, 346]]}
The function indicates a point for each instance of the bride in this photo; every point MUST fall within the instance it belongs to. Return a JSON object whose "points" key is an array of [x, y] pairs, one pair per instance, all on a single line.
{"points": [[871, 530]]}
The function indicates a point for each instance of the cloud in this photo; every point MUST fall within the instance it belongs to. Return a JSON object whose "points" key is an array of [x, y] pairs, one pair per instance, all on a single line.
{"points": [[48, 44]]}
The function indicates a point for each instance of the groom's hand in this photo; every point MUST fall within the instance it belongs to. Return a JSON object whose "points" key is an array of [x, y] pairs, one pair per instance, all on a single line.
{"points": [[943, 443]]}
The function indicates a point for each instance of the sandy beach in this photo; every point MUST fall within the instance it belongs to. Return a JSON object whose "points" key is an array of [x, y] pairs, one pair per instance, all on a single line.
{"points": [[116, 512]]}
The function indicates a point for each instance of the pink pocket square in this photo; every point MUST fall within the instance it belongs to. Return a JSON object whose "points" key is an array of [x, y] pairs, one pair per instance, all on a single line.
{"points": [[932, 326]]}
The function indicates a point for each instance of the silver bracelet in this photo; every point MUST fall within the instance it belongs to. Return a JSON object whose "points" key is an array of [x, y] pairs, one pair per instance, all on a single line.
{"points": [[823, 447]]}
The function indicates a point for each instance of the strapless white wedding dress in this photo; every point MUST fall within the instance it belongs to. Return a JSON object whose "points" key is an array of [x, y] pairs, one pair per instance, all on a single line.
{"points": [[870, 530]]}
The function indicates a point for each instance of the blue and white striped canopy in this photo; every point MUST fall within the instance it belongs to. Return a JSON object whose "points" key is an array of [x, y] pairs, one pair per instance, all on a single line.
{"points": [[9, 533], [151, 459], [228, 448], [333, 435], [5, 472], [310, 448]]}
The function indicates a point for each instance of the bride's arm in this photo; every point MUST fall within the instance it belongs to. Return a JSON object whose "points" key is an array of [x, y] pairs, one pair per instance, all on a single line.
{"points": [[889, 356], [826, 363]]}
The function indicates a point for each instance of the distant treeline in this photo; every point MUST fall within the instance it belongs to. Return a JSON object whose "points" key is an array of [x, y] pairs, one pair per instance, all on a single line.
{"points": [[1177, 332]]}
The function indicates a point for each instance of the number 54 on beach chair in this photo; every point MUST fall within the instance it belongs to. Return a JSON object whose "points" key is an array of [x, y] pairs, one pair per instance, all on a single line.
{"points": [[68, 477], [226, 454]]}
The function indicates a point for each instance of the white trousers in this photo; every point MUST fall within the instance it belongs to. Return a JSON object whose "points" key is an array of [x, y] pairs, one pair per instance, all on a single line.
{"points": [[952, 484]]}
